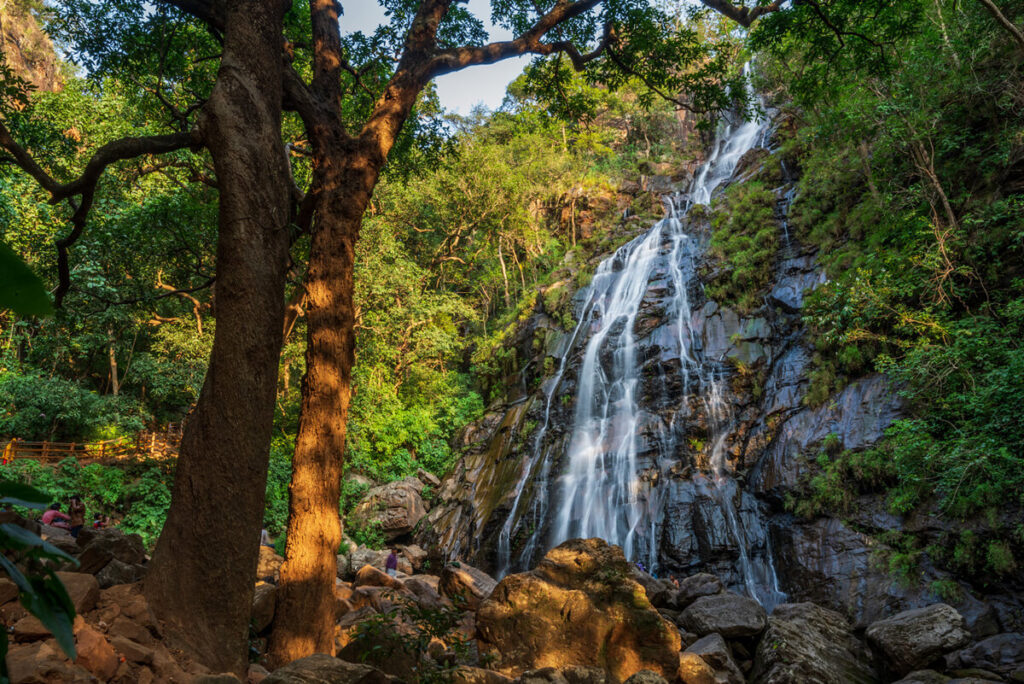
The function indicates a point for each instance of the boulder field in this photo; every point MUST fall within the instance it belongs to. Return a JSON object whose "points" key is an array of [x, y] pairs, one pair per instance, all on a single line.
{"points": [[583, 615]]}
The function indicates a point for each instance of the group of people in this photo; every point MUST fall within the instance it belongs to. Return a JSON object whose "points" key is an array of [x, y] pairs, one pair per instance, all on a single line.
{"points": [[74, 520]]}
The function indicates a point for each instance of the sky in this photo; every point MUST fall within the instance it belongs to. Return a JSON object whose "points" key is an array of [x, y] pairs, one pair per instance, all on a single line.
{"points": [[459, 92]]}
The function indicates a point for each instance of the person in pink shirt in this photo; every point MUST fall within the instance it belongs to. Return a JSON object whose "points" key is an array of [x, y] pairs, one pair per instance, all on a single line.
{"points": [[55, 517]]}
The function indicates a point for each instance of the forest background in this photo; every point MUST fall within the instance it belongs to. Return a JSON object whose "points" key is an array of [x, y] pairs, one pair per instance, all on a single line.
{"points": [[912, 186]]}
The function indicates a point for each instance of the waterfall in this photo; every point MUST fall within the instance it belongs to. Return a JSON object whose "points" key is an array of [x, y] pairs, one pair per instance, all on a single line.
{"points": [[600, 491]]}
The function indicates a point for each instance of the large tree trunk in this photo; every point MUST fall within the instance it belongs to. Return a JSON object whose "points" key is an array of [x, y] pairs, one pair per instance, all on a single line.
{"points": [[201, 578], [346, 170], [305, 616]]}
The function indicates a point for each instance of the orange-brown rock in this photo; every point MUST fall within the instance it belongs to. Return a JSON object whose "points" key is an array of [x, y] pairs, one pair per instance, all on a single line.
{"points": [[694, 670], [83, 590], [8, 591], [95, 653], [43, 662], [369, 576], [459, 580], [580, 606], [269, 568]]}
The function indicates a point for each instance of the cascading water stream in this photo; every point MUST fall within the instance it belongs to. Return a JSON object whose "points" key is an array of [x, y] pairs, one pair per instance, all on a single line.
{"points": [[599, 492]]}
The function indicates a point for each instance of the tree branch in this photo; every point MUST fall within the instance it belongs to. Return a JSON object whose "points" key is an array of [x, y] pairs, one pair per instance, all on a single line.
{"points": [[1017, 34], [85, 185], [530, 42], [744, 16]]}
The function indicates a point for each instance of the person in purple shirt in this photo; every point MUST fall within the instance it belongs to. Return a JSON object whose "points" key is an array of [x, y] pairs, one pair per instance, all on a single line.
{"points": [[391, 564]]}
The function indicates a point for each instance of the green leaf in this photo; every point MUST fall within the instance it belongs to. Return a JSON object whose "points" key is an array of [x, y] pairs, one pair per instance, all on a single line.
{"points": [[20, 494], [14, 537], [20, 289], [45, 597]]}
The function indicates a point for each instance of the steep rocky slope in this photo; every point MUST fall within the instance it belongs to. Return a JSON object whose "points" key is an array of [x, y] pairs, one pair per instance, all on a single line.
{"points": [[720, 436]]}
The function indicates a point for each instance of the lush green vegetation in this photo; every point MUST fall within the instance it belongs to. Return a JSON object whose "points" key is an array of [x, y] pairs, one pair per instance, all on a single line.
{"points": [[905, 121], [909, 141], [473, 216], [745, 239]]}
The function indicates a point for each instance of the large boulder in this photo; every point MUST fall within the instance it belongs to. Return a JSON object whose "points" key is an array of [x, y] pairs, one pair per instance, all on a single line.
{"points": [[116, 572], [579, 607], [730, 615], [269, 567], [694, 670], [99, 547], [397, 506], [808, 643], [83, 590], [321, 668], [914, 639], [715, 652], [1002, 654], [415, 555], [659, 592], [264, 602], [694, 587], [464, 582], [350, 563], [369, 576]]}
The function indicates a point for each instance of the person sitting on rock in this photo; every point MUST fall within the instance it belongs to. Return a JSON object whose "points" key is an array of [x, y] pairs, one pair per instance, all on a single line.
{"points": [[391, 564], [55, 517], [76, 515], [100, 521]]}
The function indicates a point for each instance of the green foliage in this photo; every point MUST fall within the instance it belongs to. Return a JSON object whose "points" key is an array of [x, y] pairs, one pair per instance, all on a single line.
{"points": [[408, 628], [139, 496], [148, 499], [40, 408], [909, 189], [351, 492], [745, 239], [279, 476], [21, 291], [368, 533], [29, 562]]}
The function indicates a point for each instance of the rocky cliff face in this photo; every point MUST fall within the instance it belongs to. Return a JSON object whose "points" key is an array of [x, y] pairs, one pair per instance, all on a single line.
{"points": [[27, 50], [719, 435]]}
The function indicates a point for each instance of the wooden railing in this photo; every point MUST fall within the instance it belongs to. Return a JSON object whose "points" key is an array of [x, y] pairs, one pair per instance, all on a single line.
{"points": [[144, 445]]}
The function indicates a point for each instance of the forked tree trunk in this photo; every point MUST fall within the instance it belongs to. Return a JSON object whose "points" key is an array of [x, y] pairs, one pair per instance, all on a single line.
{"points": [[306, 616], [201, 578]]}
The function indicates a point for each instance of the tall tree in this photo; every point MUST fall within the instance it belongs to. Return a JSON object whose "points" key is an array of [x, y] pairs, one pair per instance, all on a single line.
{"points": [[432, 37], [201, 577], [354, 103]]}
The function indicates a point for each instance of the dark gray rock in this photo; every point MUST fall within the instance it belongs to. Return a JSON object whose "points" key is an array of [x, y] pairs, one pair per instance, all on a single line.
{"points": [[1002, 653], [715, 652], [914, 639], [694, 587], [924, 677], [324, 669], [728, 614], [646, 677], [102, 546], [808, 643], [116, 572]]}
